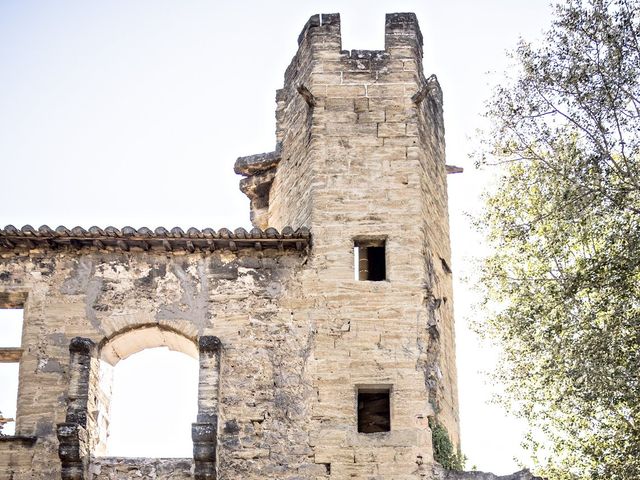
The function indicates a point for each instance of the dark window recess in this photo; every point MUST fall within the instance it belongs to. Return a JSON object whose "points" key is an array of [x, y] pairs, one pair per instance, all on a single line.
{"points": [[371, 260], [374, 413]]}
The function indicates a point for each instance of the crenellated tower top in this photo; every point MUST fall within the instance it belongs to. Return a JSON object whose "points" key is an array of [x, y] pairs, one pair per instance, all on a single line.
{"points": [[315, 75]]}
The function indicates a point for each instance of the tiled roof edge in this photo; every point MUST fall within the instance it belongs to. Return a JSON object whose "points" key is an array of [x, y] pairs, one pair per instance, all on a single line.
{"points": [[146, 239]]}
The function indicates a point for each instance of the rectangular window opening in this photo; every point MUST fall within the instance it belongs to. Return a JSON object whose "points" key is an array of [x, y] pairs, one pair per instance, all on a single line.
{"points": [[10, 353], [8, 397], [374, 410], [370, 260], [11, 327]]}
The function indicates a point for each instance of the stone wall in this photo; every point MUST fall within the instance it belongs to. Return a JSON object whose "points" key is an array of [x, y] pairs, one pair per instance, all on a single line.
{"points": [[140, 468], [17, 458], [245, 298]]}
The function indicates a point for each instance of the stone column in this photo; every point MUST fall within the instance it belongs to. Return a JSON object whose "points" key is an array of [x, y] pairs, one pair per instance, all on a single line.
{"points": [[204, 432], [72, 434]]}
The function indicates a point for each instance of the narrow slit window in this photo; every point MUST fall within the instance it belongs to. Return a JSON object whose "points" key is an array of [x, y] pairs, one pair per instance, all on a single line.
{"points": [[10, 353], [370, 260], [374, 410]]}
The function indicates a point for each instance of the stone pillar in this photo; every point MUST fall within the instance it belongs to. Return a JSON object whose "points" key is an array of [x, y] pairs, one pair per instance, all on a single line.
{"points": [[72, 451], [204, 432], [72, 434]]}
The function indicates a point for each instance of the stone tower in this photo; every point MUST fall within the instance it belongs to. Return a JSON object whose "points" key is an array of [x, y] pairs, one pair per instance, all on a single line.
{"points": [[360, 160], [324, 335]]}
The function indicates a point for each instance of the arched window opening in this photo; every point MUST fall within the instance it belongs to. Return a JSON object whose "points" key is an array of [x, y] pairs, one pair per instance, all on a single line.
{"points": [[152, 401]]}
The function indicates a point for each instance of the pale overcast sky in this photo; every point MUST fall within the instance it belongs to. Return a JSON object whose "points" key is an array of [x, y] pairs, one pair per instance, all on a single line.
{"points": [[132, 113]]}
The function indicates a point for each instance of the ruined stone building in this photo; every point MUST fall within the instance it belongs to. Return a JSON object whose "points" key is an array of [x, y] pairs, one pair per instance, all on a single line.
{"points": [[325, 335]]}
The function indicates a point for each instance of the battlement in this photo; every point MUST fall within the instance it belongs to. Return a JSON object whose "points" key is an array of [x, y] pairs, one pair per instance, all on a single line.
{"points": [[325, 20], [401, 30], [322, 35], [376, 89]]}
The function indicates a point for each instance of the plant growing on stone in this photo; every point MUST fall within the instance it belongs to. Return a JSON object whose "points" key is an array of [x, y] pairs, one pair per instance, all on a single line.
{"points": [[443, 449], [562, 286]]}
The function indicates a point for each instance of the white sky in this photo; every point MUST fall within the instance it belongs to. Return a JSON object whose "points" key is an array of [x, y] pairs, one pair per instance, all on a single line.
{"points": [[136, 388], [132, 113]]}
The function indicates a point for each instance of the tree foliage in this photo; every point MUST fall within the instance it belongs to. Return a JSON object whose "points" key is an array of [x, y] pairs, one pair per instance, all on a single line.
{"points": [[562, 286]]}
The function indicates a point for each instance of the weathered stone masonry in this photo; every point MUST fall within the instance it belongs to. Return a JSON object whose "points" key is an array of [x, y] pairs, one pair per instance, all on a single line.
{"points": [[290, 342], [123, 301]]}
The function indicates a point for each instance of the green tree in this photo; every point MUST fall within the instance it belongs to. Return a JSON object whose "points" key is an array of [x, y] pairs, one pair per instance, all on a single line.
{"points": [[562, 286]]}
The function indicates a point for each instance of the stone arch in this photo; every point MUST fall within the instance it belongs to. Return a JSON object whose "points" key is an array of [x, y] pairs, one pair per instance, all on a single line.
{"points": [[78, 435], [118, 346], [134, 339]]}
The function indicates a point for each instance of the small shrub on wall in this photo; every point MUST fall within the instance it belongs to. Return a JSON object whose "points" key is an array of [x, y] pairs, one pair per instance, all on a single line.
{"points": [[443, 450]]}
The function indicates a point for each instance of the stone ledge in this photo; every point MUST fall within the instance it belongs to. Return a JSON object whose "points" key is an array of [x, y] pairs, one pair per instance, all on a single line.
{"points": [[258, 163], [10, 354]]}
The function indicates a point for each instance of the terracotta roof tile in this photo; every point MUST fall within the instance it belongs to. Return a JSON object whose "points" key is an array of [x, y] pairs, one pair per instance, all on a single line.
{"points": [[176, 239]]}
